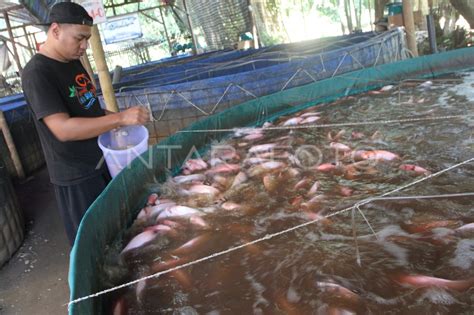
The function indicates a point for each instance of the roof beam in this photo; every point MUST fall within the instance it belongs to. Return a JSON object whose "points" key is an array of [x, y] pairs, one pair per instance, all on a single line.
{"points": [[111, 6], [7, 39], [12, 8], [17, 26], [10, 34]]}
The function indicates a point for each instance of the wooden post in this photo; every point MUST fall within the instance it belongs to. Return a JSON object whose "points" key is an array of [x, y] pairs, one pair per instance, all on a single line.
{"points": [[190, 28], [10, 34], [379, 6], [254, 26], [166, 30], [103, 71], [36, 41], [11, 146], [33, 43], [30, 49], [370, 16], [409, 22]]}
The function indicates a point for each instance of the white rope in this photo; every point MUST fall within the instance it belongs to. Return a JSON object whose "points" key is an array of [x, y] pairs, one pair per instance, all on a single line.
{"points": [[222, 96], [322, 62], [150, 111], [266, 237], [294, 75], [467, 194], [290, 79], [357, 206], [362, 123], [357, 60], [366, 220], [245, 90], [166, 105], [379, 53], [309, 75], [354, 235], [225, 92], [368, 200], [339, 65], [192, 104]]}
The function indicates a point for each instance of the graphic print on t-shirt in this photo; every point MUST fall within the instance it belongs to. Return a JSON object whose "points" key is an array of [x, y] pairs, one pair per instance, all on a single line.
{"points": [[84, 90]]}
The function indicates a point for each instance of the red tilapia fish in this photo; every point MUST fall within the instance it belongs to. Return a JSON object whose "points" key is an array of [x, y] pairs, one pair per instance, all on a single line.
{"points": [[421, 281], [264, 180]]}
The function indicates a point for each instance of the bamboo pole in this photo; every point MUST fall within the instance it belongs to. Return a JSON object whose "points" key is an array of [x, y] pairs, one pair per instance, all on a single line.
{"points": [[378, 9], [348, 11], [254, 26], [10, 34], [166, 30], [409, 22], [370, 17], [103, 71], [11, 146], [190, 28]]}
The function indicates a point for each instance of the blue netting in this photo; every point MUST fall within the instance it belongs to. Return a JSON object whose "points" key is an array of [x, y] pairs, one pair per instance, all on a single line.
{"points": [[220, 92], [229, 62]]}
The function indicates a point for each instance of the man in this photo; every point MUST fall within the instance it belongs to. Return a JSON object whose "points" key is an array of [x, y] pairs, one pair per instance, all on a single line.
{"points": [[68, 114]]}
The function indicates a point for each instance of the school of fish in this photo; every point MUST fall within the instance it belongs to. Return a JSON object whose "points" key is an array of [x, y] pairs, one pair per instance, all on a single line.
{"points": [[181, 219]]}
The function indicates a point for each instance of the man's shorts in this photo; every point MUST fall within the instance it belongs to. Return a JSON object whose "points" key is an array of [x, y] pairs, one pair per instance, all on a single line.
{"points": [[74, 200]]}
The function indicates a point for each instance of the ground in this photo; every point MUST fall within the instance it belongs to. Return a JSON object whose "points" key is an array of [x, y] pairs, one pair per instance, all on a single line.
{"points": [[34, 281]]}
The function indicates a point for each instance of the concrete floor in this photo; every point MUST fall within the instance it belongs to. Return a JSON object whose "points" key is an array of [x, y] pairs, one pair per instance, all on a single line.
{"points": [[34, 281]]}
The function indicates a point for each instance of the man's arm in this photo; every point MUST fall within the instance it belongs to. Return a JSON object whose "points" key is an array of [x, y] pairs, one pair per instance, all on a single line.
{"points": [[66, 128]]}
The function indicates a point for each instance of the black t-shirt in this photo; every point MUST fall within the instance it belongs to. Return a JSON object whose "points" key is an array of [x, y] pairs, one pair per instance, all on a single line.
{"points": [[51, 87]]}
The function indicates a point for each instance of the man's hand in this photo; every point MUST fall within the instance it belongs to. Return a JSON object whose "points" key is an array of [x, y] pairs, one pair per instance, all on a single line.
{"points": [[137, 115], [66, 128]]}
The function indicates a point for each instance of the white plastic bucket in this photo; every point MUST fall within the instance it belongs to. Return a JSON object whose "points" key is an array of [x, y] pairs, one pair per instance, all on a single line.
{"points": [[121, 146]]}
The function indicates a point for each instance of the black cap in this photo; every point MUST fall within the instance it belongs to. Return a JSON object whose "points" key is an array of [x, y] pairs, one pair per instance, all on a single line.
{"points": [[69, 13]]}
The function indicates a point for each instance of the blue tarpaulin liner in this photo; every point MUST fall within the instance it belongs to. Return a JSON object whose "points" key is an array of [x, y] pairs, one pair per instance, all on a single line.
{"points": [[210, 95], [115, 209], [231, 62], [174, 70]]}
